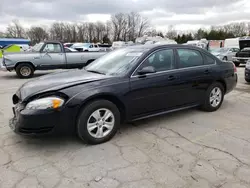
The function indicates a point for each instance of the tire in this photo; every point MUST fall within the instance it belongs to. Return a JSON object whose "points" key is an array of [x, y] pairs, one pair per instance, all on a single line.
{"points": [[207, 106], [29, 70], [236, 64], [247, 80], [86, 115], [224, 58]]}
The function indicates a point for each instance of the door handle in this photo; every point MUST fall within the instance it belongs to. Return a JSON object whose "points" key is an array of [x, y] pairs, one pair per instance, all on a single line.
{"points": [[171, 77], [206, 72]]}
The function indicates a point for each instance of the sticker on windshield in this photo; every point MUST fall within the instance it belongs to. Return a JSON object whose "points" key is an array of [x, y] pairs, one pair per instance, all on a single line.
{"points": [[134, 54]]}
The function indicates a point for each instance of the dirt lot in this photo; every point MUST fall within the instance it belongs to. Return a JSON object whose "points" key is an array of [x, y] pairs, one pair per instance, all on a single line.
{"points": [[184, 149]]}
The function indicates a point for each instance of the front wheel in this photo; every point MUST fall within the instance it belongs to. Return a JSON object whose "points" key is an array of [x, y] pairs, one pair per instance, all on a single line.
{"points": [[214, 97], [247, 80], [98, 122], [24, 70]]}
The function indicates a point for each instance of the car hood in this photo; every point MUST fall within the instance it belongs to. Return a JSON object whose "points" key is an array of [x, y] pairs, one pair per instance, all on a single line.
{"points": [[57, 81]]}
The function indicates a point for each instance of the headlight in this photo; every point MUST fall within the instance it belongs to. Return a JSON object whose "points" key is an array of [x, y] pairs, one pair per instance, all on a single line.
{"points": [[248, 65], [45, 103]]}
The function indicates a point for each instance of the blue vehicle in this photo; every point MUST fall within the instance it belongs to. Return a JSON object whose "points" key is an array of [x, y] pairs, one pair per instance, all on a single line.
{"points": [[7, 41]]}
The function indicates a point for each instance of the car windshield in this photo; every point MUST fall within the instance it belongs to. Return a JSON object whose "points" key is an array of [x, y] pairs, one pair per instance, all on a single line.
{"points": [[37, 47], [222, 50], [116, 63]]}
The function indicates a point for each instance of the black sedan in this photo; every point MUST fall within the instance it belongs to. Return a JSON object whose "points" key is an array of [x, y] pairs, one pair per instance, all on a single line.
{"points": [[247, 72], [125, 85]]}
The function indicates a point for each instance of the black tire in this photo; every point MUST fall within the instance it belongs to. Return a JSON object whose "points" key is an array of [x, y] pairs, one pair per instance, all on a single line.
{"points": [[224, 58], [28, 66], [247, 80], [85, 114], [236, 64], [207, 105]]}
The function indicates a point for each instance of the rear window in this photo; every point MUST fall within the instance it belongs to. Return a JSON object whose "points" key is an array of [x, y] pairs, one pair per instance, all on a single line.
{"points": [[209, 60]]}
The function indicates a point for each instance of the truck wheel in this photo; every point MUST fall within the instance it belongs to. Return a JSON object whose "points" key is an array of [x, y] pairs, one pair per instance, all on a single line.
{"points": [[24, 70], [236, 64], [98, 122]]}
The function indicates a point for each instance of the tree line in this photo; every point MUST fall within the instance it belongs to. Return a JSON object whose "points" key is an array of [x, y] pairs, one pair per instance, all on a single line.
{"points": [[122, 26]]}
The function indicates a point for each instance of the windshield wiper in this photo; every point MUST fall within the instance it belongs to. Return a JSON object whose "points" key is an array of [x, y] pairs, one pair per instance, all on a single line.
{"points": [[95, 71]]}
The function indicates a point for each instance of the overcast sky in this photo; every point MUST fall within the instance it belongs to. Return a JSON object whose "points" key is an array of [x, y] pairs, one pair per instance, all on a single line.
{"points": [[185, 14]]}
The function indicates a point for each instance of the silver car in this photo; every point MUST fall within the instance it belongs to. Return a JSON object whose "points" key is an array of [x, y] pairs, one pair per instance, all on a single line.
{"points": [[225, 54]]}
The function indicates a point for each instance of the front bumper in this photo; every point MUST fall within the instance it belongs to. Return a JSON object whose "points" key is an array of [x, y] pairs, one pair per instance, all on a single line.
{"points": [[41, 122], [241, 59], [2, 67]]}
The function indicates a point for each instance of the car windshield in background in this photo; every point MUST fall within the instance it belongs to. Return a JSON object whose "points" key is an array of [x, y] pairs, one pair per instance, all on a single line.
{"points": [[37, 47], [222, 50], [116, 63]]}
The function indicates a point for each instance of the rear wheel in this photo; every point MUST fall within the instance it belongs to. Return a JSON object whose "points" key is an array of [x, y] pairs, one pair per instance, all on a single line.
{"points": [[98, 122], [25, 70], [236, 64], [214, 97]]}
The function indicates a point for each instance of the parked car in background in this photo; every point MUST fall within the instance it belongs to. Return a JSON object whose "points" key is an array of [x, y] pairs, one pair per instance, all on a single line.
{"points": [[243, 55], [68, 44], [12, 48], [67, 49], [231, 42], [166, 42], [118, 44], [125, 85], [46, 56], [225, 54], [89, 47], [247, 71]]}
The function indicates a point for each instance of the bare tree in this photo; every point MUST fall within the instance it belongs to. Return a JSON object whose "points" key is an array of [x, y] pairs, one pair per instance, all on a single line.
{"points": [[15, 30], [37, 34], [237, 29], [119, 24], [57, 31], [143, 25], [100, 30], [171, 33]]}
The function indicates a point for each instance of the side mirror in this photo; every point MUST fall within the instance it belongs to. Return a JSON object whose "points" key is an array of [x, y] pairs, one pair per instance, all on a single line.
{"points": [[146, 70]]}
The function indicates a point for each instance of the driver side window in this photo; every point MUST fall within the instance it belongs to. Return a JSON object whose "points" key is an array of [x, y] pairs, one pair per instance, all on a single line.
{"points": [[52, 48], [161, 60]]}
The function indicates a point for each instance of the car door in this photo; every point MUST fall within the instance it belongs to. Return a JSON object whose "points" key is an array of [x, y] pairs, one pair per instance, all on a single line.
{"points": [[52, 56], [154, 92], [196, 74]]}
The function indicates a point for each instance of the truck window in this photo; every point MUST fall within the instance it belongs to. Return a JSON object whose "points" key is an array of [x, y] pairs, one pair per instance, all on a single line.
{"points": [[52, 48]]}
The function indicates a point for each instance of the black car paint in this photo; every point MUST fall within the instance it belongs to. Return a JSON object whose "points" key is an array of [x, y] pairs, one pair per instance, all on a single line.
{"points": [[137, 97], [247, 74]]}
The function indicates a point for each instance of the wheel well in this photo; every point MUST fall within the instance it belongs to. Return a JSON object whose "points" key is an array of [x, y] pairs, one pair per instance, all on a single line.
{"points": [[224, 84], [26, 63], [111, 98]]}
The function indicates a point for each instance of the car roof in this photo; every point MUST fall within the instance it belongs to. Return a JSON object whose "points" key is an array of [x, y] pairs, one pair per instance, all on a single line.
{"points": [[159, 46]]}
